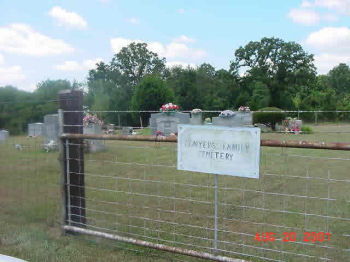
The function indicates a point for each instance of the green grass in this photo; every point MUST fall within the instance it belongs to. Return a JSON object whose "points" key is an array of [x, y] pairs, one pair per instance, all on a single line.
{"points": [[30, 201]]}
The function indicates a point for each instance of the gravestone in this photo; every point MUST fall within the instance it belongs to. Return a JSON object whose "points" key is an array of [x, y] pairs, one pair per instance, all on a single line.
{"points": [[196, 119], [167, 122], [51, 128], [94, 145], [238, 119], [35, 129], [295, 124], [127, 130], [4, 134]]}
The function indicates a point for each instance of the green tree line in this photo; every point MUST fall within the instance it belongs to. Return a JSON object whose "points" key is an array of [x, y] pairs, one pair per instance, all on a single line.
{"points": [[266, 73]]}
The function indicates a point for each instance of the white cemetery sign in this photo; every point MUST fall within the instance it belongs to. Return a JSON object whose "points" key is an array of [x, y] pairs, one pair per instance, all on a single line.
{"points": [[219, 150]]}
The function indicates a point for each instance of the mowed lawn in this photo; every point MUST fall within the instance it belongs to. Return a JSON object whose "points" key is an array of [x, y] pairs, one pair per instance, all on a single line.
{"points": [[134, 189]]}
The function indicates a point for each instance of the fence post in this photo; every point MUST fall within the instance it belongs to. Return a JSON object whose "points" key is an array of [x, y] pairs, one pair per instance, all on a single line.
{"points": [[216, 214], [71, 104], [61, 159]]}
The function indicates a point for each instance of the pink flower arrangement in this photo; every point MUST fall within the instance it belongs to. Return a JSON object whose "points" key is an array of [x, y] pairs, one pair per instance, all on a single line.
{"points": [[92, 119], [244, 109], [170, 107], [159, 133]]}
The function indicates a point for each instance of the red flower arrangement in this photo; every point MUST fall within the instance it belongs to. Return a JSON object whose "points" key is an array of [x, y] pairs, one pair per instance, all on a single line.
{"points": [[170, 107]]}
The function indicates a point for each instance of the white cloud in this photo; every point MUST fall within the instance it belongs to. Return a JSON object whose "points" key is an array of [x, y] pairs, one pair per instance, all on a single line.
{"points": [[185, 39], [325, 61], [2, 60], [173, 50], [134, 20], [180, 63], [22, 39], [156, 47], [341, 6], [332, 45], [67, 19], [91, 63], [11, 75], [76, 66], [306, 4], [330, 17], [181, 10], [119, 42], [304, 16], [69, 66], [334, 39]]}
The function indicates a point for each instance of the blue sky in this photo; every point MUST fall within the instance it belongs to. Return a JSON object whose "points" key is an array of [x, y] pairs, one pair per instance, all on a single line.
{"points": [[63, 39]]}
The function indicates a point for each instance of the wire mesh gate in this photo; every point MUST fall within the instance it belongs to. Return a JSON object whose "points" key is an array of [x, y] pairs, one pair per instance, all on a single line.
{"points": [[132, 191], [298, 210]]}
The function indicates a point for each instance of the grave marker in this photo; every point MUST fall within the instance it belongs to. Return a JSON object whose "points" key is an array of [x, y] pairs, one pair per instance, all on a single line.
{"points": [[4, 134], [35, 129], [167, 122]]}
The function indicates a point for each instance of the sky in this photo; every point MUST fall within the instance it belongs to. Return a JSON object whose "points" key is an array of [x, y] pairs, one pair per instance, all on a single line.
{"points": [[63, 39]]}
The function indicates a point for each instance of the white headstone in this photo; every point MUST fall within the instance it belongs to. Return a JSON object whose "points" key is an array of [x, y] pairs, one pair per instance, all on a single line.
{"points": [[238, 119], [4, 134], [167, 122], [94, 145], [35, 129], [51, 128], [196, 119]]}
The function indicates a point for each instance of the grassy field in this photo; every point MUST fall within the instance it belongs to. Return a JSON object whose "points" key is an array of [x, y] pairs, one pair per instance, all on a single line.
{"points": [[135, 190]]}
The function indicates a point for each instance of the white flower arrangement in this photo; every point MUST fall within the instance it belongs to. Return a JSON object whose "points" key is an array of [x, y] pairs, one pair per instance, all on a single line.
{"points": [[196, 111], [244, 109], [227, 114]]}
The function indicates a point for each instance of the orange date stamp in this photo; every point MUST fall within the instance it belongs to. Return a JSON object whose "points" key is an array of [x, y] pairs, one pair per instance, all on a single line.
{"points": [[292, 236]]}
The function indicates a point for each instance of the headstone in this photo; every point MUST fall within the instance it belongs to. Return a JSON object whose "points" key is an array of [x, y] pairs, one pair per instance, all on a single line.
{"points": [[295, 125], [94, 145], [167, 122], [110, 128], [196, 119], [35, 129], [51, 128], [4, 134], [238, 119], [127, 130]]}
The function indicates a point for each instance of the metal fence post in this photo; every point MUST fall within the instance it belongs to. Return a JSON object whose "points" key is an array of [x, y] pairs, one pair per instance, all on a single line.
{"points": [[62, 157], [71, 104], [216, 214]]}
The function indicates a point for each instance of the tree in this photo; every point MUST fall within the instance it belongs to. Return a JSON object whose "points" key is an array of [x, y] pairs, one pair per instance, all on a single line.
{"points": [[135, 61], [117, 80], [339, 79], [18, 108], [184, 84], [150, 94], [281, 66], [261, 96]]}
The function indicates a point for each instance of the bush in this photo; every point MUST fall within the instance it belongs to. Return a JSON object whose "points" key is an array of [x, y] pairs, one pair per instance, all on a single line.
{"points": [[268, 118], [306, 130]]}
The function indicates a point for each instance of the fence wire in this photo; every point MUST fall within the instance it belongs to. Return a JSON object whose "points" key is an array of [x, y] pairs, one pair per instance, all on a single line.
{"points": [[298, 210]]}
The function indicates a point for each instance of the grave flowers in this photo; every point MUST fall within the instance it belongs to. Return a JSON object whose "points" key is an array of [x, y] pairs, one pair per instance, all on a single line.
{"points": [[244, 109], [169, 108], [90, 120], [196, 111], [227, 114]]}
